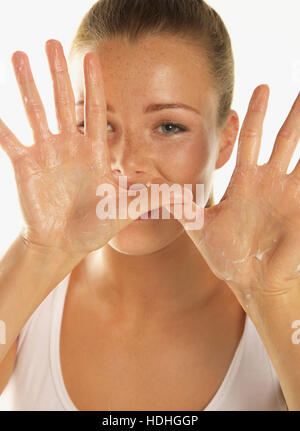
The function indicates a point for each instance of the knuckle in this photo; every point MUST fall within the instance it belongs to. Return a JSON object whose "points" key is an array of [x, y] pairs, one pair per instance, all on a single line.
{"points": [[60, 69], [287, 135], [94, 109], [26, 80], [63, 100], [249, 133], [33, 106]]}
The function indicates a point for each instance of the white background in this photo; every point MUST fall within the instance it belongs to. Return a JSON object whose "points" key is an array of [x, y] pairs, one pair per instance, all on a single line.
{"points": [[265, 35]]}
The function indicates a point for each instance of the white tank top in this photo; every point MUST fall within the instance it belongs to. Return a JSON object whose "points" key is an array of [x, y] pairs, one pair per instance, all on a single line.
{"points": [[37, 383]]}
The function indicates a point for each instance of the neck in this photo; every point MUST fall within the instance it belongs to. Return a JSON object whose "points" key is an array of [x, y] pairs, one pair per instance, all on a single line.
{"points": [[173, 279]]}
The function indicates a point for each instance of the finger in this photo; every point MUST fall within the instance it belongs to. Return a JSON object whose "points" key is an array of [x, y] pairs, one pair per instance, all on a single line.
{"points": [[95, 106], [126, 204], [252, 128], [62, 87], [10, 144], [159, 194], [287, 139], [31, 99], [190, 215]]}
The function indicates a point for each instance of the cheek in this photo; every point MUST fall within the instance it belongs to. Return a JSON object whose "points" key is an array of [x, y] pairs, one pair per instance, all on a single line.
{"points": [[186, 162]]}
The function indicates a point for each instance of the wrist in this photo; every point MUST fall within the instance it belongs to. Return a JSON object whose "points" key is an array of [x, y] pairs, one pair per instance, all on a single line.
{"points": [[43, 251], [260, 302], [47, 265], [29, 272]]}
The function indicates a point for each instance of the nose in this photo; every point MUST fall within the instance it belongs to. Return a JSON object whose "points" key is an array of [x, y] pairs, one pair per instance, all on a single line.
{"points": [[129, 158]]}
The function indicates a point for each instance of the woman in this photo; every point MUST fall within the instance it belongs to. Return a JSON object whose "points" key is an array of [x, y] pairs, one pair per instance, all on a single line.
{"points": [[127, 314]]}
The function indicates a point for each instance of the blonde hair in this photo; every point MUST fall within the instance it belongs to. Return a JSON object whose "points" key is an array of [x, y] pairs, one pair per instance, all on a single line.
{"points": [[192, 20]]}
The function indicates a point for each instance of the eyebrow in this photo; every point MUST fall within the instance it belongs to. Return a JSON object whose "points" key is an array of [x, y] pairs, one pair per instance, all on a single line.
{"points": [[155, 107]]}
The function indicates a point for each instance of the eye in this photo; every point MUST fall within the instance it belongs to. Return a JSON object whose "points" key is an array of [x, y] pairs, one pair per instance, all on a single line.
{"points": [[169, 127]]}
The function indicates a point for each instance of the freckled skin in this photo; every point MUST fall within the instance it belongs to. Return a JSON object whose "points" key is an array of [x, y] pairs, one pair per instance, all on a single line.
{"points": [[149, 284], [158, 70]]}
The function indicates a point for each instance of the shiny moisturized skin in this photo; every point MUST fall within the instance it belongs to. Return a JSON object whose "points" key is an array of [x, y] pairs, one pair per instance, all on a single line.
{"points": [[143, 144]]}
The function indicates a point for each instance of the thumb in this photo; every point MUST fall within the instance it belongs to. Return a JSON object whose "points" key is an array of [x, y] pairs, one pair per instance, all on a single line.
{"points": [[139, 199], [189, 214], [157, 194], [9, 143], [194, 217], [129, 203]]}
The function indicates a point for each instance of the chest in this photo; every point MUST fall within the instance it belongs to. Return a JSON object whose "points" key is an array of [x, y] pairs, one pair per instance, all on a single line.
{"points": [[175, 367]]}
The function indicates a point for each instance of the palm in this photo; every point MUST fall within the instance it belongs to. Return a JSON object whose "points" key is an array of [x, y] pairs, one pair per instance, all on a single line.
{"points": [[57, 177], [252, 237], [254, 229], [58, 193]]}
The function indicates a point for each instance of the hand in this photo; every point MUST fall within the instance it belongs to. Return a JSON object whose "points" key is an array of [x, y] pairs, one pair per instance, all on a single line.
{"points": [[251, 238], [57, 178]]}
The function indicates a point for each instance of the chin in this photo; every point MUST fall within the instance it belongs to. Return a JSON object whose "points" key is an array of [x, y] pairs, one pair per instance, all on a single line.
{"points": [[144, 237]]}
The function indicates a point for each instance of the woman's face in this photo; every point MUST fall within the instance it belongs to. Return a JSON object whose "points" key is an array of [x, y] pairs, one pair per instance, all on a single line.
{"points": [[139, 80]]}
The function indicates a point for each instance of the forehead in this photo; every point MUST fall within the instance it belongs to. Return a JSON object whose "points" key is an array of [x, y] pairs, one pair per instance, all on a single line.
{"points": [[156, 67]]}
